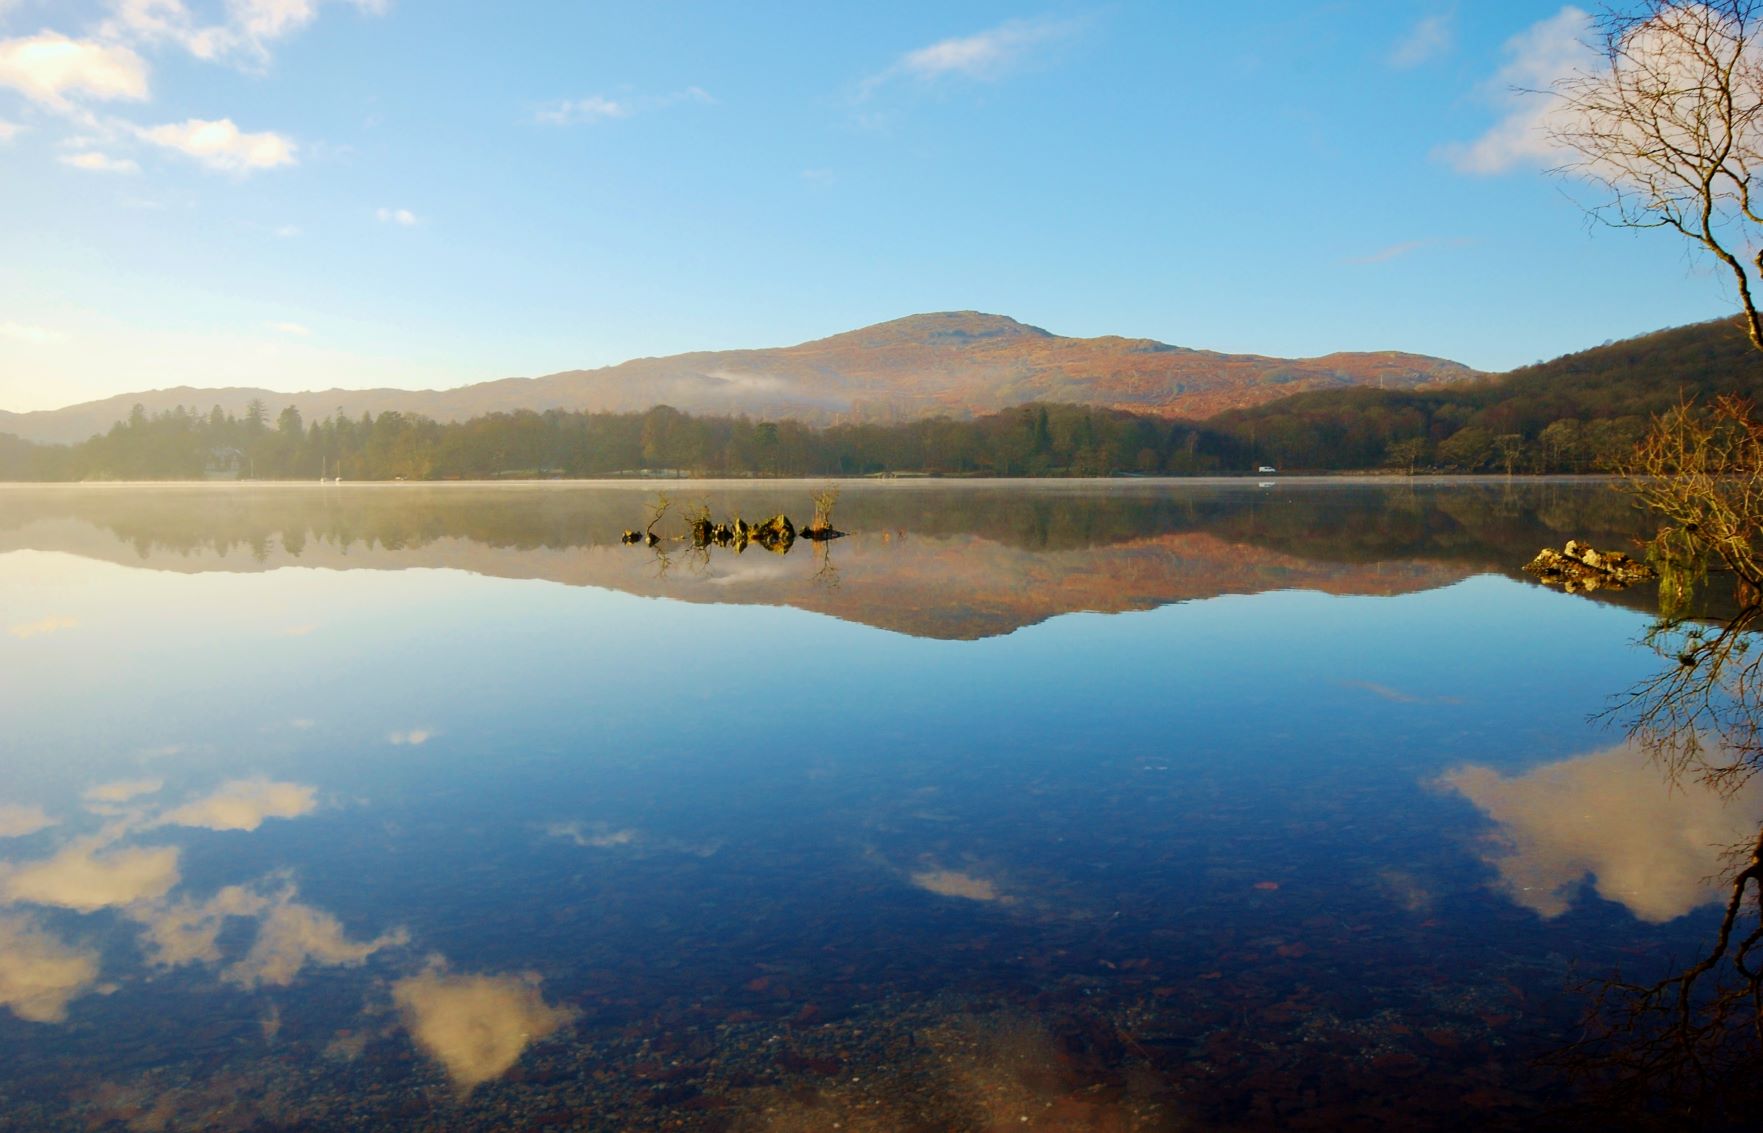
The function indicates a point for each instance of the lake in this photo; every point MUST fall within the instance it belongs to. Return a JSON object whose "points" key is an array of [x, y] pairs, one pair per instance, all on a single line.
{"points": [[1050, 805]]}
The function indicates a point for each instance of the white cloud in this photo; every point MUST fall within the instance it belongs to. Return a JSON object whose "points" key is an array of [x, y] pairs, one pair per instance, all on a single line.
{"points": [[986, 56], [1425, 41], [95, 162], [37, 336], [1554, 49], [245, 36], [298, 331], [219, 144], [243, 804], [39, 973], [475, 1026], [272, 19], [17, 821], [82, 878], [49, 67], [600, 108], [403, 217], [9, 130]]}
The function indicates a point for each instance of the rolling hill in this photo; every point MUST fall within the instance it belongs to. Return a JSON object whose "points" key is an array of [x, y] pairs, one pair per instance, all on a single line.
{"points": [[958, 363]]}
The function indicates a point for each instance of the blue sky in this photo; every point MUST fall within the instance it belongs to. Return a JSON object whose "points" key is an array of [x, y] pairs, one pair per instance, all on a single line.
{"points": [[302, 194]]}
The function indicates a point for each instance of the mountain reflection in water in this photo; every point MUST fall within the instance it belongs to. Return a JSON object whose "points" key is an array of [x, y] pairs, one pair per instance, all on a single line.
{"points": [[983, 560], [330, 808]]}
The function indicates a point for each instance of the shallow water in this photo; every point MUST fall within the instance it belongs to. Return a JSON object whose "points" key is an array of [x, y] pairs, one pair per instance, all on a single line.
{"points": [[1109, 806]]}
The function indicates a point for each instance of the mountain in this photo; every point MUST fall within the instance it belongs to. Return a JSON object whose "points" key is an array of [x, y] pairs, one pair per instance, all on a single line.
{"points": [[954, 362]]}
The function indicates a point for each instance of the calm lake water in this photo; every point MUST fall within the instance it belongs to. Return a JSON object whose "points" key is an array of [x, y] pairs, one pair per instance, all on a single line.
{"points": [[1044, 806]]}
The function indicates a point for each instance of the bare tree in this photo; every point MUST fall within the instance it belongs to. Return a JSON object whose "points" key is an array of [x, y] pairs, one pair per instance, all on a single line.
{"points": [[1670, 127]]}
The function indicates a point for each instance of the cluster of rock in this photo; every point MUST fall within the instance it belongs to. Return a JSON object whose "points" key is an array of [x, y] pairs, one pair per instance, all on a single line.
{"points": [[1578, 568], [776, 534]]}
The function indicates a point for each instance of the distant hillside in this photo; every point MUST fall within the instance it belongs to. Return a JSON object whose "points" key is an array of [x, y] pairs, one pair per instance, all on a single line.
{"points": [[1578, 412], [959, 363]]}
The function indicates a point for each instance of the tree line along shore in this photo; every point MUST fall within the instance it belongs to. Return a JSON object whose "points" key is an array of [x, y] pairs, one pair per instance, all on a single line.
{"points": [[1580, 413]]}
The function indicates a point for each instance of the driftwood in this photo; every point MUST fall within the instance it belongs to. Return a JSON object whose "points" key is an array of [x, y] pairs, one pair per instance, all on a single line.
{"points": [[1578, 568]]}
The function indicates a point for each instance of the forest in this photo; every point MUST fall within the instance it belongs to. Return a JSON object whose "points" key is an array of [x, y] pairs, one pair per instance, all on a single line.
{"points": [[1579, 413]]}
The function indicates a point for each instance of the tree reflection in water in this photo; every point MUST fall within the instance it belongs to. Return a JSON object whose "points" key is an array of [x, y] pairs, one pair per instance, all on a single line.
{"points": [[1689, 1046]]}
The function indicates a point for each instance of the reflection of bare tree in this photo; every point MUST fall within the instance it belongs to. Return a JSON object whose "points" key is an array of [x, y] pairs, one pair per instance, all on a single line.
{"points": [[825, 573], [1701, 473], [1693, 1041]]}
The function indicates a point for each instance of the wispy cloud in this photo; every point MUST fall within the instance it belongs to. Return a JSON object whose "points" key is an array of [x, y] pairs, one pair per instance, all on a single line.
{"points": [[220, 144], [94, 162], [402, 217], [603, 108], [298, 331], [1427, 40], [413, 737], [983, 57], [9, 130], [52, 70], [1536, 58], [244, 37]]}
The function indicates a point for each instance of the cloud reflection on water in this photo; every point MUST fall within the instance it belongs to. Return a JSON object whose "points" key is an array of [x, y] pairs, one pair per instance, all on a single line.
{"points": [[475, 1026], [293, 935], [18, 821], [85, 877], [244, 804], [122, 790], [39, 973], [1649, 846]]}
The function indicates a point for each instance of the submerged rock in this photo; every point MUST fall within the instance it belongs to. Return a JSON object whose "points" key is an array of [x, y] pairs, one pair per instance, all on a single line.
{"points": [[1579, 567]]}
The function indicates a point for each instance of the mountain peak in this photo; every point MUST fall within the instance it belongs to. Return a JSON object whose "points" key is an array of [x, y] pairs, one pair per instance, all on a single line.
{"points": [[936, 328]]}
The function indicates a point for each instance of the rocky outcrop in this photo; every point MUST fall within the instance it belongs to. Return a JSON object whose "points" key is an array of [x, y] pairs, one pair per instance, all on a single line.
{"points": [[1578, 568]]}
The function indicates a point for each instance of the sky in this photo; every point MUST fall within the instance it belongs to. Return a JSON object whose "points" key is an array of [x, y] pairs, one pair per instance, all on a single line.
{"points": [[306, 194]]}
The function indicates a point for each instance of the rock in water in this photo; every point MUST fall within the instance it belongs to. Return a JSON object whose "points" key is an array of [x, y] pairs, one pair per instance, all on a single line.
{"points": [[1579, 567]]}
